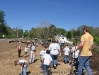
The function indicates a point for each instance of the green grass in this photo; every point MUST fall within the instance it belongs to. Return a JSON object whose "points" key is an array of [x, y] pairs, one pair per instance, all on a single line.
{"points": [[96, 51]]}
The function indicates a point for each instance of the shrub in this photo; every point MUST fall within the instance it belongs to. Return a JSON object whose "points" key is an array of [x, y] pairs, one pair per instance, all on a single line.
{"points": [[96, 39], [96, 51]]}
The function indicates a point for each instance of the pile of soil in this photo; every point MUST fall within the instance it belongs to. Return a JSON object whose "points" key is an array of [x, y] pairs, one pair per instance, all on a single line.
{"points": [[94, 63]]}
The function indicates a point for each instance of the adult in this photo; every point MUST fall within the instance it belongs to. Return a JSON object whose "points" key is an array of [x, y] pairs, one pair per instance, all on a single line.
{"points": [[32, 52], [85, 54], [54, 51], [24, 64]]}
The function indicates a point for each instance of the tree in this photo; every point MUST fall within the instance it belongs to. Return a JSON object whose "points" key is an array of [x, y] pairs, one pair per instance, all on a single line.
{"points": [[69, 35], [61, 31], [73, 32], [52, 31], [81, 29], [3, 26], [44, 24], [39, 32], [11, 33], [2, 14], [96, 32], [20, 33], [26, 33], [33, 33]]}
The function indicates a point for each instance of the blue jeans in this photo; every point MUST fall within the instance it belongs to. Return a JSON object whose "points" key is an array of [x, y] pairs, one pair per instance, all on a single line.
{"points": [[84, 62], [24, 69], [62, 45], [54, 60], [66, 59], [45, 69], [42, 66]]}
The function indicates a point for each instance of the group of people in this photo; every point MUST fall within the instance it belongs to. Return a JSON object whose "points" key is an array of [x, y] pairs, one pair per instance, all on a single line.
{"points": [[28, 46], [81, 54], [24, 63]]}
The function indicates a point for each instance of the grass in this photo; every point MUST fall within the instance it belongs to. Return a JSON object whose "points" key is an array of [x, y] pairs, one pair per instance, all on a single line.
{"points": [[96, 51]]}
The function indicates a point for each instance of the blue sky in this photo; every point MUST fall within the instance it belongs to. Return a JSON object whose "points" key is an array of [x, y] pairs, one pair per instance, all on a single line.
{"points": [[66, 14]]}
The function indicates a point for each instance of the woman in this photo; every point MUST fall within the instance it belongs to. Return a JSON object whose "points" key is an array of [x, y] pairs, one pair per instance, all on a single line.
{"points": [[54, 51]]}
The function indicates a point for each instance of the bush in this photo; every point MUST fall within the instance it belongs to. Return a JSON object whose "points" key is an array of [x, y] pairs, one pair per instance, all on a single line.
{"points": [[96, 39], [96, 51]]}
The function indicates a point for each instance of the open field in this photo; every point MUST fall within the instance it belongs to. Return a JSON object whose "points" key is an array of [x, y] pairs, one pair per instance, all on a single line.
{"points": [[8, 53]]}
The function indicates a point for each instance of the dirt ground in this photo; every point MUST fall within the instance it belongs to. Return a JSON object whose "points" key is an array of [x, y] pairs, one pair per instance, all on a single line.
{"points": [[8, 53]]}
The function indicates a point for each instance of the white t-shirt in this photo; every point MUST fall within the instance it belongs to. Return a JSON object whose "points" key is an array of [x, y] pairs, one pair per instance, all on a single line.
{"points": [[26, 49], [42, 53], [47, 59], [62, 40], [76, 54], [22, 61], [54, 47], [32, 47], [66, 51]]}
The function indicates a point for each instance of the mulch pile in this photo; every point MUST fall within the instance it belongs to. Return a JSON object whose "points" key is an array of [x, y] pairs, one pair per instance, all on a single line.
{"points": [[94, 63]]}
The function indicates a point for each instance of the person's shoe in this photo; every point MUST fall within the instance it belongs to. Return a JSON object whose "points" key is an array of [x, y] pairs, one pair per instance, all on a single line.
{"points": [[65, 63], [54, 67]]}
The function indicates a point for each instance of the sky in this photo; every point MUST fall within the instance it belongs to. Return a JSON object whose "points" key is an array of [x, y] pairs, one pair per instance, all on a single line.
{"points": [[66, 14]]}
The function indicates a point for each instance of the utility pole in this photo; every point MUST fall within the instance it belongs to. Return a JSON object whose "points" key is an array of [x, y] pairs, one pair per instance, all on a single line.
{"points": [[17, 32]]}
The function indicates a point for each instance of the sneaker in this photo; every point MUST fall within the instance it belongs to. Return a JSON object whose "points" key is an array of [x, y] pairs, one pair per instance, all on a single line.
{"points": [[65, 63], [54, 67]]}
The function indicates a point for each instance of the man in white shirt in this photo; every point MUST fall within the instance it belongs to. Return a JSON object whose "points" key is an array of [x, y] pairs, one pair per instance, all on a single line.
{"points": [[54, 51], [32, 52], [47, 62], [24, 64]]}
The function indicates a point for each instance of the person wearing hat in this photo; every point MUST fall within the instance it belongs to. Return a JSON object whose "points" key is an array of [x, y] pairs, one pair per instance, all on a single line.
{"points": [[24, 64], [32, 52]]}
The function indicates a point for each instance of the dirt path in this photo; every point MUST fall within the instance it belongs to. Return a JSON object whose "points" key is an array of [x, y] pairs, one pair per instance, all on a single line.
{"points": [[9, 53]]}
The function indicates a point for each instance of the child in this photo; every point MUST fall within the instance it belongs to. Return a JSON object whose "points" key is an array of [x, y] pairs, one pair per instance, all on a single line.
{"points": [[47, 62], [19, 49], [25, 50], [43, 51], [66, 54], [24, 64], [75, 55]]}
